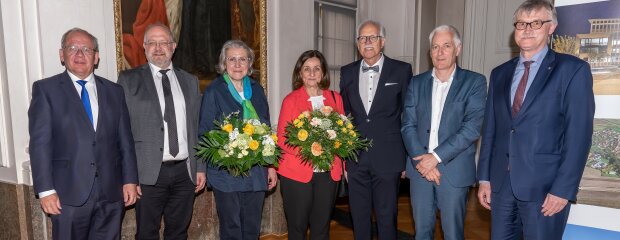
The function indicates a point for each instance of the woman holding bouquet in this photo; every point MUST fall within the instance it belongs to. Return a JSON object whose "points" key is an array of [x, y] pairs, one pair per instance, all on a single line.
{"points": [[239, 199], [308, 192]]}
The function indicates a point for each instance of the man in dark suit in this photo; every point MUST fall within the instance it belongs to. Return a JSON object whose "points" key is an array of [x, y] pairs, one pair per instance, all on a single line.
{"points": [[443, 114], [81, 147], [372, 90], [537, 132], [164, 105]]}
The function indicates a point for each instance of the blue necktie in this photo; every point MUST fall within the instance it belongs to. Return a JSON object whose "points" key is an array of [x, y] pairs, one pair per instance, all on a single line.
{"points": [[86, 100]]}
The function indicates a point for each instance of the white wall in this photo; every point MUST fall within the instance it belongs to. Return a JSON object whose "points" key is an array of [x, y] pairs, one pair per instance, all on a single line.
{"points": [[29, 51]]}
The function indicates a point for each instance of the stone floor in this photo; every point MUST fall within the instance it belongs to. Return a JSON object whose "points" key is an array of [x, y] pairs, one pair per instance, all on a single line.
{"points": [[477, 222]]}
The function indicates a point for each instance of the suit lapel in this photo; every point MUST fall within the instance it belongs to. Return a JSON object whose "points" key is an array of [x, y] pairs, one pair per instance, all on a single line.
{"points": [[457, 82], [385, 75], [427, 95], [151, 91], [507, 81], [540, 79], [354, 93], [102, 96], [74, 98]]}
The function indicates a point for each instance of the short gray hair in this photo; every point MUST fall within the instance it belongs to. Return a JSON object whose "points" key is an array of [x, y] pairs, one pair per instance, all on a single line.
{"points": [[531, 5], [93, 39], [372, 22], [160, 25], [456, 37], [221, 65]]}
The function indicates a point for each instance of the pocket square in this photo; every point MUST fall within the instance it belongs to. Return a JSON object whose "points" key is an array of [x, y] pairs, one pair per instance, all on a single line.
{"points": [[390, 84]]}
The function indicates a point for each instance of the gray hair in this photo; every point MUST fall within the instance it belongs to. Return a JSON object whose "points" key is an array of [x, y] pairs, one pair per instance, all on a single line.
{"points": [[456, 37], [531, 5], [372, 22], [93, 39], [160, 25], [221, 65]]}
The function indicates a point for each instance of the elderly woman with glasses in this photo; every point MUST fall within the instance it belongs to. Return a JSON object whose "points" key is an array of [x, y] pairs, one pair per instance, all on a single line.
{"points": [[239, 200]]}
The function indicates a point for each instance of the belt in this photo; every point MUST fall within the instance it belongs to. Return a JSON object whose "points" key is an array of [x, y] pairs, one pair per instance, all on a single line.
{"points": [[172, 162]]}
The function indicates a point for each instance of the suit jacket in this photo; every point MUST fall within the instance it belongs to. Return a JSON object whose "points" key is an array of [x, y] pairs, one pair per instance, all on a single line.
{"points": [[217, 102], [66, 152], [382, 123], [547, 144], [147, 122], [459, 127], [291, 165]]}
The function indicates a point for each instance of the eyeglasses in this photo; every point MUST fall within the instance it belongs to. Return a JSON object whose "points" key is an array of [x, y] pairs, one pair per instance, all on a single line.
{"points": [[372, 39], [536, 24], [74, 49], [153, 44], [239, 60]]}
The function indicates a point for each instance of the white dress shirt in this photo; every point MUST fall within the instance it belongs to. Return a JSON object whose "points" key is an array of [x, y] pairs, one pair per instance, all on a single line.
{"points": [[368, 82], [91, 88], [179, 110], [440, 92]]}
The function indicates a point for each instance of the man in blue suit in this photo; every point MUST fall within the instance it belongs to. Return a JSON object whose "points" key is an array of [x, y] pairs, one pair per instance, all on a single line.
{"points": [[372, 90], [81, 146], [537, 132], [443, 114]]}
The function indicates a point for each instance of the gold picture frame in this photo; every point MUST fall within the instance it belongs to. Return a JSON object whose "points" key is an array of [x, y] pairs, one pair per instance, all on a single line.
{"points": [[262, 53]]}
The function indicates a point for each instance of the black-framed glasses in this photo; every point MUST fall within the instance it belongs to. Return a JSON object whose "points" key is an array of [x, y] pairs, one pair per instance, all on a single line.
{"points": [[536, 24], [372, 39], [74, 49], [151, 44]]}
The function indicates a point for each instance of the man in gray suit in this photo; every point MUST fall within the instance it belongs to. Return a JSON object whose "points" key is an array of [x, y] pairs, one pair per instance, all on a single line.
{"points": [[443, 113], [164, 104]]}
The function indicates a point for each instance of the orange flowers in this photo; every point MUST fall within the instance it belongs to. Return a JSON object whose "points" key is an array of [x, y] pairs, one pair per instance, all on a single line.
{"points": [[316, 149]]}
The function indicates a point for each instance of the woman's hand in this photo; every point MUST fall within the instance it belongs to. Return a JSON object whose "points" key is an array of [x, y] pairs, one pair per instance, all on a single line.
{"points": [[272, 178]]}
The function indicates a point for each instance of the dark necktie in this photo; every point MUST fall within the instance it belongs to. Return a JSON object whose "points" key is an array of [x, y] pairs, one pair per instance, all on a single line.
{"points": [[373, 68], [86, 101], [518, 100], [169, 115]]}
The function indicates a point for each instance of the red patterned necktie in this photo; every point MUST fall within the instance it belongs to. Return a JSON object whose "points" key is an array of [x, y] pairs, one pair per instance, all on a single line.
{"points": [[518, 100]]}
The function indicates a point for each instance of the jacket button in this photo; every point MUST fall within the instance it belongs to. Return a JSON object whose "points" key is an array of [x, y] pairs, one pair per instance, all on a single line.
{"points": [[512, 130], [94, 143], [161, 149], [428, 131], [92, 164], [507, 155], [162, 129], [425, 148], [367, 119]]}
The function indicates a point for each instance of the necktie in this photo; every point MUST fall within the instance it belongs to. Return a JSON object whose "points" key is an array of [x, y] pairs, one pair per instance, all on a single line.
{"points": [[518, 100], [169, 115], [373, 68], [86, 101]]}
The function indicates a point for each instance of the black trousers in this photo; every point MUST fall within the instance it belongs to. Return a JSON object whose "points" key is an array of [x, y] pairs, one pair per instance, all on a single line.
{"points": [[173, 197], [240, 214], [368, 191], [97, 219], [309, 203]]}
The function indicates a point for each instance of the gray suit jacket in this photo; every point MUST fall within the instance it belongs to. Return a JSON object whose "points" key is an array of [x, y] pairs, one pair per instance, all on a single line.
{"points": [[459, 127], [147, 120]]}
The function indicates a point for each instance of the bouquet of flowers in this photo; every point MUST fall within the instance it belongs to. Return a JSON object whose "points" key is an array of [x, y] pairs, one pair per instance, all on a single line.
{"points": [[237, 145], [322, 134]]}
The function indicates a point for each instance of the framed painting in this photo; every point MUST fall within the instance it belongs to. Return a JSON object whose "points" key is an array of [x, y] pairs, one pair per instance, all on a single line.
{"points": [[200, 28], [590, 30]]}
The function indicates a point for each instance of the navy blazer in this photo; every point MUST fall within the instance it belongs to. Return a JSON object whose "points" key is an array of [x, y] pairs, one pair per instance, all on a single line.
{"points": [[382, 123], [459, 127], [546, 146], [66, 152], [216, 103]]}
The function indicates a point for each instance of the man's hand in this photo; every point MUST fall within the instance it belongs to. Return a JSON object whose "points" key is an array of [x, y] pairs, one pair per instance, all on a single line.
{"points": [[426, 164], [130, 194], [272, 178], [201, 180], [484, 194], [51, 204], [433, 176], [552, 205], [139, 190], [403, 174]]}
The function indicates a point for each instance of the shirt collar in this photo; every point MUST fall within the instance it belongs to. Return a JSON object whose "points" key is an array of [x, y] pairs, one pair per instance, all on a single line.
{"points": [[537, 58], [449, 79], [379, 63], [156, 69], [74, 78]]}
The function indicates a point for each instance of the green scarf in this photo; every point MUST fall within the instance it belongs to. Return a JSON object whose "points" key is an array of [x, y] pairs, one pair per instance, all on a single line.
{"points": [[248, 109]]}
